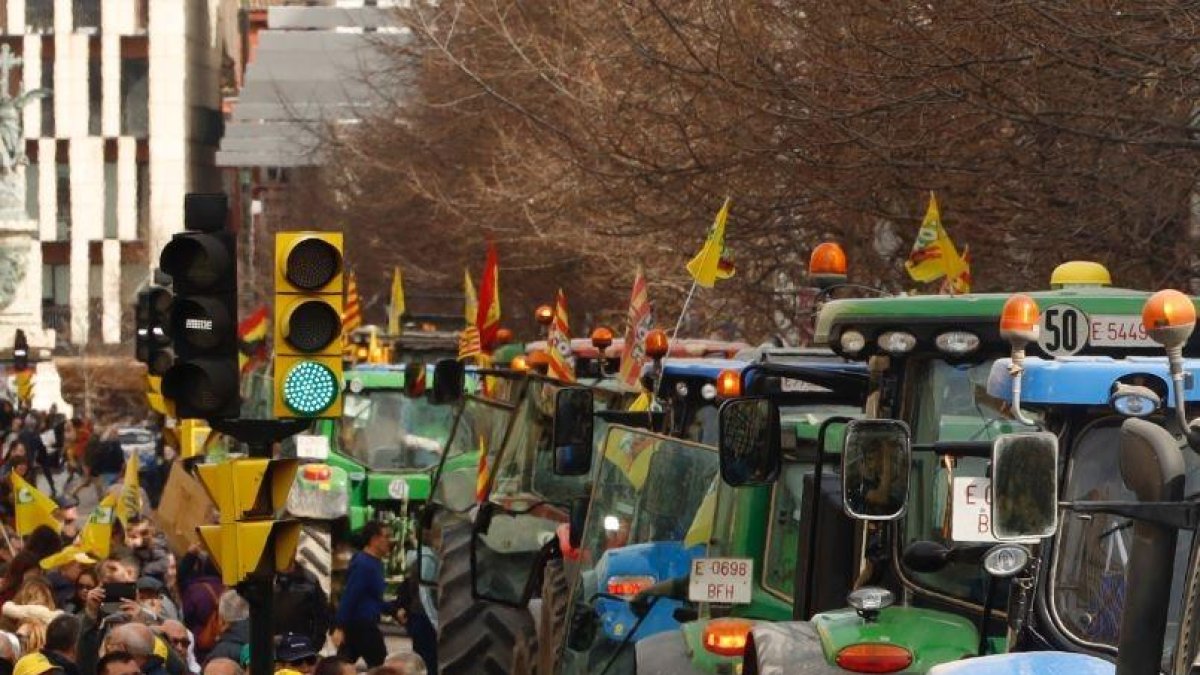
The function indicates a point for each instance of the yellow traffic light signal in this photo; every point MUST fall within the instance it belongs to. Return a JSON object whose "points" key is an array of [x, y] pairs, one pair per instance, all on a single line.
{"points": [[254, 488], [242, 488], [243, 549], [309, 282]]}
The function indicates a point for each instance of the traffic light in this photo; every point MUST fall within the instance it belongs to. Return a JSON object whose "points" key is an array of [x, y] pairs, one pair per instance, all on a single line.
{"points": [[153, 342], [250, 494], [308, 324], [202, 263]]}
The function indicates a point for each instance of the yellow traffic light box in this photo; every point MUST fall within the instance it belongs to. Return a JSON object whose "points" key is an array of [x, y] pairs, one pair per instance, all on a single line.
{"points": [[309, 282], [250, 494]]}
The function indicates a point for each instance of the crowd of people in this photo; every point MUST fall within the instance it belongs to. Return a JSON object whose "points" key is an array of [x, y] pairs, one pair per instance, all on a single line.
{"points": [[138, 609]]}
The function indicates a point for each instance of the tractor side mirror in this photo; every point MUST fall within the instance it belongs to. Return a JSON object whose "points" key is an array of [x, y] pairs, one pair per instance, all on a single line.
{"points": [[749, 441], [875, 467], [573, 431], [1024, 482], [449, 379]]}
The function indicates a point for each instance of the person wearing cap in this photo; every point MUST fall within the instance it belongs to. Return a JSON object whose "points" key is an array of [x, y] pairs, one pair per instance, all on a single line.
{"points": [[65, 568], [35, 664], [154, 602], [294, 651]]}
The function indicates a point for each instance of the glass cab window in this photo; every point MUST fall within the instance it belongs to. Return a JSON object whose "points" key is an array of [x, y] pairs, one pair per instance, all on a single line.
{"points": [[386, 430], [947, 402], [1092, 550]]}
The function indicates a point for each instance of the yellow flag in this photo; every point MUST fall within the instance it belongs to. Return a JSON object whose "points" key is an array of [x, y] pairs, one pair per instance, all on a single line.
{"points": [[710, 264], [700, 530], [69, 554], [471, 306], [130, 503], [96, 536], [396, 308], [33, 508], [933, 255]]}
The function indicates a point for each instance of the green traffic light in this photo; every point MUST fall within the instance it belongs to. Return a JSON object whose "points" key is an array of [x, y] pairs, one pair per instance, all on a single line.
{"points": [[309, 388]]}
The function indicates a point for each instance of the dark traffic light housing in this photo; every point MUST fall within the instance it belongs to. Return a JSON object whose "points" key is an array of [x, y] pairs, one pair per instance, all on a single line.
{"points": [[153, 342], [202, 325]]}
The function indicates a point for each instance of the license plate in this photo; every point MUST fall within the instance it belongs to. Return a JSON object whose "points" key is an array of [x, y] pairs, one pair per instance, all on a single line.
{"points": [[1118, 331], [721, 580], [972, 513]]}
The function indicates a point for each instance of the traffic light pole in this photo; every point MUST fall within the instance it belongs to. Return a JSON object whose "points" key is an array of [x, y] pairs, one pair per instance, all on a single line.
{"points": [[259, 589]]}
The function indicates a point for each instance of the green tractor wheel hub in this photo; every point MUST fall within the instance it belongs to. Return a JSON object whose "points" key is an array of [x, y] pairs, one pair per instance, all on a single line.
{"points": [[309, 388]]}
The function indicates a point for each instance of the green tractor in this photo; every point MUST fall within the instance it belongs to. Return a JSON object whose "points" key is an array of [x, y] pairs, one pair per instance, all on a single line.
{"points": [[929, 359]]}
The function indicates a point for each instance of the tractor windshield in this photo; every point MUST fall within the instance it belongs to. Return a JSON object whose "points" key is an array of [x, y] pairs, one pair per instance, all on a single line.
{"points": [[479, 429], [948, 402], [386, 430], [1092, 550], [650, 516]]}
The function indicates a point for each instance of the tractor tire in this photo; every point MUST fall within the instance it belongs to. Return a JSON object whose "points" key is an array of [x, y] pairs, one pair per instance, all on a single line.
{"points": [[475, 637], [552, 622]]}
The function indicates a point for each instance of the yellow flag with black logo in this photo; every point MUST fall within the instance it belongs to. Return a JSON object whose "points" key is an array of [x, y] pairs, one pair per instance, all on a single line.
{"points": [[129, 505], [33, 508], [96, 536]]}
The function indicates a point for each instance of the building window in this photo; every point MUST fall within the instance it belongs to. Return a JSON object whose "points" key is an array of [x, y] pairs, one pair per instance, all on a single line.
{"points": [[56, 284], [143, 201], [142, 16], [110, 200], [135, 97], [95, 96], [64, 202], [47, 101], [39, 16], [86, 15], [32, 210]]}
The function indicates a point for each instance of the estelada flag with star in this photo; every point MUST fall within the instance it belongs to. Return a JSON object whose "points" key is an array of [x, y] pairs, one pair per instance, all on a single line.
{"points": [[558, 343], [33, 508], [711, 264]]}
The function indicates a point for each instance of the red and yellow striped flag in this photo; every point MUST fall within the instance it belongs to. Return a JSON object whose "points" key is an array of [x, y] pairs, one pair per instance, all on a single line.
{"points": [[638, 322], [352, 310], [468, 339], [562, 363]]}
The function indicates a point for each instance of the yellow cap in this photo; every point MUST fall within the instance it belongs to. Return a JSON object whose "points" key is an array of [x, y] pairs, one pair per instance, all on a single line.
{"points": [[1080, 273], [33, 664]]}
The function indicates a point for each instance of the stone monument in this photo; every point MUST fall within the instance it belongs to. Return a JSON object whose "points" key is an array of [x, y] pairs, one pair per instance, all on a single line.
{"points": [[20, 249]]}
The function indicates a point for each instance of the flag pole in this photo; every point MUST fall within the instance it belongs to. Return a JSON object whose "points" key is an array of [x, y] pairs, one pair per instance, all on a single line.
{"points": [[683, 311]]}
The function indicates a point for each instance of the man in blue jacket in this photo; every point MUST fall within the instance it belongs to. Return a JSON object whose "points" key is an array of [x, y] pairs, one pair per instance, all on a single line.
{"points": [[362, 599]]}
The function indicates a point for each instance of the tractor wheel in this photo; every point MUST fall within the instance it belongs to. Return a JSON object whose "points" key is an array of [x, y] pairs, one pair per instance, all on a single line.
{"points": [[473, 636], [553, 619]]}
